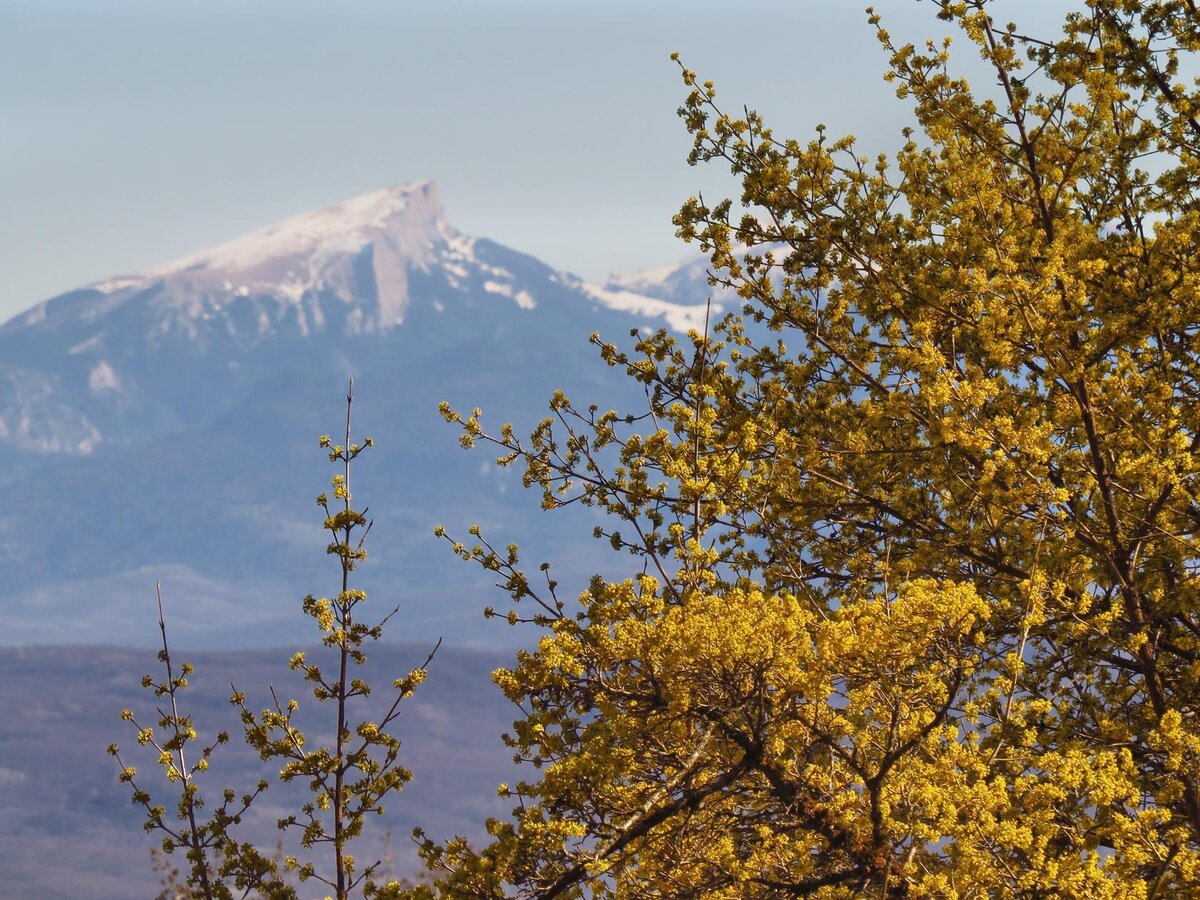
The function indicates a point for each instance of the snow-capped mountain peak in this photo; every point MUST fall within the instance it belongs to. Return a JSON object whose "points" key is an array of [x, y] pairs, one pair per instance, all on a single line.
{"points": [[409, 217], [684, 281], [136, 356], [289, 256]]}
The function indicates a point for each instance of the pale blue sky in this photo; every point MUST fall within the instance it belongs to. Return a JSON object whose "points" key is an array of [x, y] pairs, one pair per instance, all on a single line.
{"points": [[138, 131]]}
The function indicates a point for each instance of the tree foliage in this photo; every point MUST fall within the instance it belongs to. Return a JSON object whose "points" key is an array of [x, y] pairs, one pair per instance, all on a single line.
{"points": [[347, 779], [914, 607]]}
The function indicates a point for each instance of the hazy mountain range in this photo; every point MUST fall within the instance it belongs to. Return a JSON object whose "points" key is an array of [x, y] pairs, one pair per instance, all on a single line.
{"points": [[163, 426]]}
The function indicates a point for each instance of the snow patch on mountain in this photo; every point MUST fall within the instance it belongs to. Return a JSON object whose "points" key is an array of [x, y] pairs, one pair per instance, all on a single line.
{"points": [[34, 416], [678, 316], [119, 283], [692, 277], [688, 278], [103, 378], [408, 217], [648, 279], [394, 231]]}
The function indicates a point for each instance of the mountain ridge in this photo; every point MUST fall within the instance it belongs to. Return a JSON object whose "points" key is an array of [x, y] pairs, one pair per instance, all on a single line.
{"points": [[165, 424], [94, 366]]}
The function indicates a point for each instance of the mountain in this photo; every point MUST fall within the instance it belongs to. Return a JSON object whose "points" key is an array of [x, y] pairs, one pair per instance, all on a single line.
{"points": [[139, 356], [682, 283], [162, 426]]}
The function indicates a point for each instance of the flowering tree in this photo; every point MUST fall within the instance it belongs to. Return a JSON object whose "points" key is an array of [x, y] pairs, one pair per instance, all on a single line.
{"points": [[914, 607], [348, 778]]}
